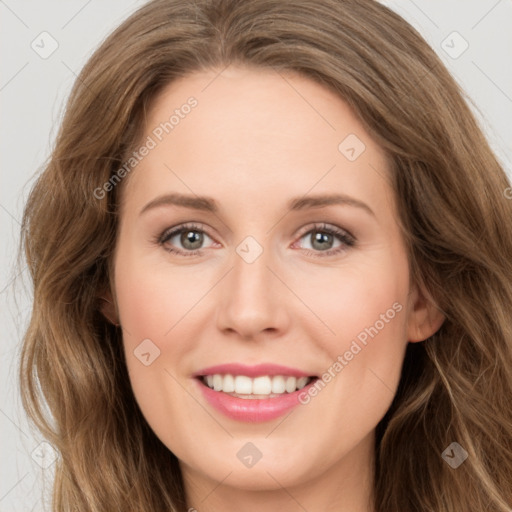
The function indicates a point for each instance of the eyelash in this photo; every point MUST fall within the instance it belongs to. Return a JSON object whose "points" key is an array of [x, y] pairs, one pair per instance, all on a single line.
{"points": [[343, 236]]}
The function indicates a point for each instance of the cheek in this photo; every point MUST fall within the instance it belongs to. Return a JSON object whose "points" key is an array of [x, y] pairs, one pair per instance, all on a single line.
{"points": [[365, 355], [363, 302], [151, 307], [159, 311], [364, 308], [153, 299]]}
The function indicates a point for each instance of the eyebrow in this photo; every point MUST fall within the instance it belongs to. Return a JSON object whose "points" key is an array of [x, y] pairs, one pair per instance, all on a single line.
{"points": [[318, 201], [207, 204]]}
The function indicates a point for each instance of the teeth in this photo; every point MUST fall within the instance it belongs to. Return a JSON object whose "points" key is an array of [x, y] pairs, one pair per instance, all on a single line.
{"points": [[262, 386], [265, 385], [291, 384], [302, 382], [243, 385], [228, 384], [278, 384], [217, 382]]}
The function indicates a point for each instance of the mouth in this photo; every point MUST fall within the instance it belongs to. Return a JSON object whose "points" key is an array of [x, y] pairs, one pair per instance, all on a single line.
{"points": [[253, 394], [255, 388]]}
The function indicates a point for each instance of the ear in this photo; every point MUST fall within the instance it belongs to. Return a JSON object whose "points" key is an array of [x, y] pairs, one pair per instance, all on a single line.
{"points": [[108, 309], [425, 318]]}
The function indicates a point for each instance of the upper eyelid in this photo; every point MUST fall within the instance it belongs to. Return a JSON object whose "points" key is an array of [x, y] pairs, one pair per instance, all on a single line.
{"points": [[198, 226], [193, 226], [175, 230], [321, 226]]}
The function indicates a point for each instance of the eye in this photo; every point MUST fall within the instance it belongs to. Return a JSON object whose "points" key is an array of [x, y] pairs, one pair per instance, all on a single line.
{"points": [[191, 237], [322, 240]]}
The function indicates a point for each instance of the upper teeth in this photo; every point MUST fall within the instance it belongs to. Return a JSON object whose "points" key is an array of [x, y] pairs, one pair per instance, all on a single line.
{"points": [[265, 385]]}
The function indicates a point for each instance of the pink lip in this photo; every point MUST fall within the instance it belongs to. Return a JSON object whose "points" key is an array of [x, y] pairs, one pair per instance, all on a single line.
{"points": [[252, 371], [251, 410]]}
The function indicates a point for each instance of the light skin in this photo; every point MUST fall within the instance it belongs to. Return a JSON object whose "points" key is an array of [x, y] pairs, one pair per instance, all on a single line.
{"points": [[255, 141]]}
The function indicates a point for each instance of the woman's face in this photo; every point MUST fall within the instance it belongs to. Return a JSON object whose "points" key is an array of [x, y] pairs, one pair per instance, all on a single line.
{"points": [[291, 264]]}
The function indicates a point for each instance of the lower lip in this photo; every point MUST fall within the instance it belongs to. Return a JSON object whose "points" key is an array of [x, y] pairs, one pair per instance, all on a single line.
{"points": [[252, 410]]}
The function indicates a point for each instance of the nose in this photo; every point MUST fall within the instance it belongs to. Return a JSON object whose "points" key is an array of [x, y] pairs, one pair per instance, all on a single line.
{"points": [[253, 303]]}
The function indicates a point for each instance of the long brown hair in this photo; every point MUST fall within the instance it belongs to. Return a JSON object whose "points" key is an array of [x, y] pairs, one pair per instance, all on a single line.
{"points": [[455, 216]]}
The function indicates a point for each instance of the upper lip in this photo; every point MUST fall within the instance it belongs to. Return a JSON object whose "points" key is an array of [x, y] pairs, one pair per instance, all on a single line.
{"points": [[252, 371]]}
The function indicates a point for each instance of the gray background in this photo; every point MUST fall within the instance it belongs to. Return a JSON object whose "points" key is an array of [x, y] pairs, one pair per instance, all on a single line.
{"points": [[32, 94]]}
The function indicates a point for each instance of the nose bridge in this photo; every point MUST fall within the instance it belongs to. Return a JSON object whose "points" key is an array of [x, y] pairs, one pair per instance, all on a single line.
{"points": [[250, 274], [250, 302], [250, 280]]}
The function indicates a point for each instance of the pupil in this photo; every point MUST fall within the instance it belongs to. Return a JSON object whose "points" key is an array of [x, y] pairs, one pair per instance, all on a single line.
{"points": [[191, 237], [322, 238]]}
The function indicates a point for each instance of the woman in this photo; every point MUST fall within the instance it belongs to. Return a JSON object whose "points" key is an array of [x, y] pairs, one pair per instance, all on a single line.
{"points": [[246, 369]]}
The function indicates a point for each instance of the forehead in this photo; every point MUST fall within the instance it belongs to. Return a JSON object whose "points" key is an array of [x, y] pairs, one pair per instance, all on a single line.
{"points": [[252, 130]]}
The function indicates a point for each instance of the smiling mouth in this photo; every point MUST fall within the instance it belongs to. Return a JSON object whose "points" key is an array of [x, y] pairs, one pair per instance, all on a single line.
{"points": [[262, 387]]}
